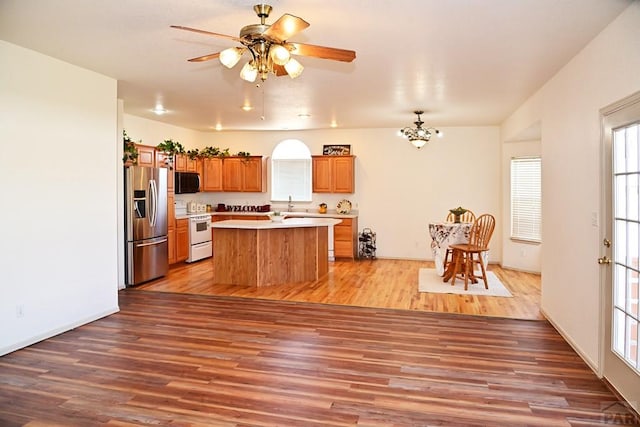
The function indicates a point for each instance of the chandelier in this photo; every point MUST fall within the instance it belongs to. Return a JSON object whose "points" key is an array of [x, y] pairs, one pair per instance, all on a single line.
{"points": [[267, 56], [419, 136]]}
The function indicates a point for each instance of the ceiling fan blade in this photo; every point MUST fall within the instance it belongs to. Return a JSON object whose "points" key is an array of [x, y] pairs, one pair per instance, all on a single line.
{"points": [[279, 70], [205, 57], [285, 27], [323, 52], [208, 33]]}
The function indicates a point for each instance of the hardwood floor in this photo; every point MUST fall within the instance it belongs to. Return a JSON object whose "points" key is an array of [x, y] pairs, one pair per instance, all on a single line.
{"points": [[378, 283], [170, 359]]}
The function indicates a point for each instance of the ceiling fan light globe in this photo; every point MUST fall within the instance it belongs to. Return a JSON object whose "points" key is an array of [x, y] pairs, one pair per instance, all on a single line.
{"points": [[230, 57], [249, 72], [293, 68], [279, 54]]}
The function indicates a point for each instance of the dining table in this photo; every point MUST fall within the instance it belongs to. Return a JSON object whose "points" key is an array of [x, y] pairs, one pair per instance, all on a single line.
{"points": [[443, 235]]}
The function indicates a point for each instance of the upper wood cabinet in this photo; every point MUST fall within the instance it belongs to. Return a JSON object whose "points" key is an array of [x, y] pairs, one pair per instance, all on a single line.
{"points": [[180, 163], [163, 161], [333, 174], [146, 155], [212, 174], [192, 165], [243, 174], [185, 164]]}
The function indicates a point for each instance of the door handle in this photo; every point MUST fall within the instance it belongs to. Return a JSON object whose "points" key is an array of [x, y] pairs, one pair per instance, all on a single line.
{"points": [[606, 242], [142, 245], [604, 260]]}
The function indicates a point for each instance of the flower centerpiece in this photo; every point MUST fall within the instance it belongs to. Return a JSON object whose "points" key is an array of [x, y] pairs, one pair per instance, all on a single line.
{"points": [[457, 213], [277, 216]]}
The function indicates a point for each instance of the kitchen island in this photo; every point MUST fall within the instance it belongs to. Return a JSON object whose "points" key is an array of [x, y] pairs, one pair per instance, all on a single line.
{"points": [[264, 253]]}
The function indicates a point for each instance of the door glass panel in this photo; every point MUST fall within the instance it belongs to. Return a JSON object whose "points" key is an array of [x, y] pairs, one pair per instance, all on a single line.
{"points": [[631, 154], [631, 348], [626, 204], [632, 245], [618, 331], [620, 195]]}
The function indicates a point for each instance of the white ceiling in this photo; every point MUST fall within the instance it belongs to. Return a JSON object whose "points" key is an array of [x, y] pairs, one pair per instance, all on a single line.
{"points": [[465, 62]]}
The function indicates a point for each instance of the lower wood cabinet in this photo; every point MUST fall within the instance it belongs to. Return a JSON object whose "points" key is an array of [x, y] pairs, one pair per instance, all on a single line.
{"points": [[345, 238], [182, 239], [171, 237]]}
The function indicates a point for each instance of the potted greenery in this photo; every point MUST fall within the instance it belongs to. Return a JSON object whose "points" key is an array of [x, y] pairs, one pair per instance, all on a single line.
{"points": [[130, 151], [193, 154], [170, 148], [457, 213]]}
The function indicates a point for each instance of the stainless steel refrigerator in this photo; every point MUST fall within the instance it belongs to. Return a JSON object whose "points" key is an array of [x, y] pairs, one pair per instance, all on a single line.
{"points": [[147, 245]]}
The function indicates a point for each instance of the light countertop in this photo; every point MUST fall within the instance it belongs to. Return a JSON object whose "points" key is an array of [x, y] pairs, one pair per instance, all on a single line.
{"points": [[257, 224], [295, 214]]}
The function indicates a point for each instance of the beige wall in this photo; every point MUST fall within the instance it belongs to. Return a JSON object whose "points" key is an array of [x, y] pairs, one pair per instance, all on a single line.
{"points": [[606, 70], [59, 169]]}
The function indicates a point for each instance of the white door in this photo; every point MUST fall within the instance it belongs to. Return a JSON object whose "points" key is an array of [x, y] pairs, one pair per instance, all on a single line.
{"points": [[621, 247]]}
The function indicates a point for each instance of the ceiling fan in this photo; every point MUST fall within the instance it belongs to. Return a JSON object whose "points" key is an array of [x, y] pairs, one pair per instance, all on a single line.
{"points": [[270, 51]]}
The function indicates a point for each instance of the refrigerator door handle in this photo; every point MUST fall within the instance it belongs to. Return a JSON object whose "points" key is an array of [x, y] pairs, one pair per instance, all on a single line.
{"points": [[153, 192], [140, 245]]}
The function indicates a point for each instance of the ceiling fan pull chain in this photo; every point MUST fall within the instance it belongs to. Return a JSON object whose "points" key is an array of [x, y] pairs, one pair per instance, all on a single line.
{"points": [[262, 117]]}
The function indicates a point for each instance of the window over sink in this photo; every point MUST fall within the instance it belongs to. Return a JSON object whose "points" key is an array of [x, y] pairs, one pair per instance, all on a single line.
{"points": [[291, 172]]}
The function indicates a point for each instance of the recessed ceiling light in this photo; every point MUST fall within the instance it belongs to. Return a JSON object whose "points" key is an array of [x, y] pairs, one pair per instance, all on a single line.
{"points": [[247, 108], [333, 124], [218, 126], [159, 110]]}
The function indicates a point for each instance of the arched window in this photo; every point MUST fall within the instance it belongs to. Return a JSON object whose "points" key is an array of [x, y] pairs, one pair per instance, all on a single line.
{"points": [[291, 172]]}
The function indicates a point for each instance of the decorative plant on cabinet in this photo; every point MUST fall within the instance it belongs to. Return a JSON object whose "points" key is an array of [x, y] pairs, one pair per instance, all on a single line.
{"points": [[130, 151]]}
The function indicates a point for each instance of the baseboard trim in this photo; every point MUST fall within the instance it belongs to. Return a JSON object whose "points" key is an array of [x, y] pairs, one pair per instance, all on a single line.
{"points": [[593, 365], [57, 331]]}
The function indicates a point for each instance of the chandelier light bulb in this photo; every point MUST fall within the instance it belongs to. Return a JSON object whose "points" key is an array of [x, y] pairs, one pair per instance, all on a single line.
{"points": [[230, 57], [279, 54], [249, 72]]}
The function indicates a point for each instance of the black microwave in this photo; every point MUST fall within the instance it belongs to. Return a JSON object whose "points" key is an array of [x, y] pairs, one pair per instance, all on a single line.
{"points": [[187, 182]]}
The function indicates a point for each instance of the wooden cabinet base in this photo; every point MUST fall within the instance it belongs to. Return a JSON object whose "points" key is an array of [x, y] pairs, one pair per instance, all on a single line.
{"points": [[270, 256]]}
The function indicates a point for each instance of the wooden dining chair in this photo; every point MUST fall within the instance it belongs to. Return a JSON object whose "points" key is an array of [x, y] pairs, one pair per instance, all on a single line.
{"points": [[467, 255], [468, 216]]}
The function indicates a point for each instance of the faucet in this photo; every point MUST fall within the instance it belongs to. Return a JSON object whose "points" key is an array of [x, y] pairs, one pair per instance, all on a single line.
{"points": [[290, 205]]}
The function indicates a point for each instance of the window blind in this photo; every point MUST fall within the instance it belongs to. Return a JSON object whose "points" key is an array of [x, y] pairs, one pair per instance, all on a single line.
{"points": [[526, 198], [291, 171]]}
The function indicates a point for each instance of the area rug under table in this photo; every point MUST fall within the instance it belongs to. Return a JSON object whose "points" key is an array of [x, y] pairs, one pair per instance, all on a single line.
{"points": [[430, 281]]}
